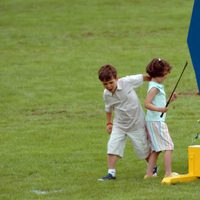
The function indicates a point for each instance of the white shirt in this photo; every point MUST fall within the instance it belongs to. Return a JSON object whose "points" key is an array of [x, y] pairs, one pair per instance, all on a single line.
{"points": [[124, 102]]}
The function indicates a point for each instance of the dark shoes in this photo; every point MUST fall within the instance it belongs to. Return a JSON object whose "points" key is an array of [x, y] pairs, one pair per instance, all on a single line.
{"points": [[107, 178], [155, 171], [111, 177]]}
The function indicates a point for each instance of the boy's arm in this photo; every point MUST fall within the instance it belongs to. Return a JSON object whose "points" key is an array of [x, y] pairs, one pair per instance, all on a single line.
{"points": [[137, 80], [109, 117], [109, 122], [148, 101]]}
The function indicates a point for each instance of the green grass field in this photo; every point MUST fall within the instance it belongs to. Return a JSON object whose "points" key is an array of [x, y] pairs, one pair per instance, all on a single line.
{"points": [[52, 124]]}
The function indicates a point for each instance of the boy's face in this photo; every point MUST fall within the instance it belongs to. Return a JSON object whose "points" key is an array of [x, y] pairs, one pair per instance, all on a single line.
{"points": [[110, 85]]}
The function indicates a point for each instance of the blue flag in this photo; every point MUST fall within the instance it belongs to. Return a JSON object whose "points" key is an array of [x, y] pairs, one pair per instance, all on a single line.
{"points": [[193, 40]]}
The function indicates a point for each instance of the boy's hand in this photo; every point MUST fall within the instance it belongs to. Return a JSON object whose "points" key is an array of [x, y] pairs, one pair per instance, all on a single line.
{"points": [[109, 128], [146, 77]]}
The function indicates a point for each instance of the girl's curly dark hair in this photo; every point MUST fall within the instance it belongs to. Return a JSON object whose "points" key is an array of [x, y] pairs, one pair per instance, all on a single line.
{"points": [[158, 68]]}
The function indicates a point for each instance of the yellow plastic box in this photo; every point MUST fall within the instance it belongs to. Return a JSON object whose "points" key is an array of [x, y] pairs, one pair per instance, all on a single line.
{"points": [[194, 167]]}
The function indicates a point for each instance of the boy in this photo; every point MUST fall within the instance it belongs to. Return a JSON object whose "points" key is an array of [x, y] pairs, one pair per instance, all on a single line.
{"points": [[129, 121]]}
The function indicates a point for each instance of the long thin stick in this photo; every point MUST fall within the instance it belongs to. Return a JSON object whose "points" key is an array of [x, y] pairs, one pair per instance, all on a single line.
{"points": [[175, 88]]}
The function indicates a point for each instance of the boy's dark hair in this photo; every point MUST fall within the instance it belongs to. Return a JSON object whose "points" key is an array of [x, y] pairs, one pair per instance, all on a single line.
{"points": [[158, 68], [107, 72]]}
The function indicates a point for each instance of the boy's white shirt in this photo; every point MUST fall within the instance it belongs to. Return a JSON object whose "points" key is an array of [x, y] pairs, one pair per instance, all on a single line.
{"points": [[125, 104]]}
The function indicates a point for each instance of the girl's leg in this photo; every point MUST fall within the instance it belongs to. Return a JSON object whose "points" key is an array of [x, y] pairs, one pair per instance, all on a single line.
{"points": [[151, 163], [167, 162]]}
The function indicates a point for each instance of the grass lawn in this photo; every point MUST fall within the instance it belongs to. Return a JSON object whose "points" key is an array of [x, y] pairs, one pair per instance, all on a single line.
{"points": [[52, 124]]}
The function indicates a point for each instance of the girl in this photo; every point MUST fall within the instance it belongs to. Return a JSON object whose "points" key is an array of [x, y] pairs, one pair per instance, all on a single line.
{"points": [[157, 128]]}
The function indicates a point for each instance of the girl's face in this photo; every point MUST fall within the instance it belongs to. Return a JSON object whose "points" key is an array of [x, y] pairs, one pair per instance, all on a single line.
{"points": [[161, 78], [110, 85]]}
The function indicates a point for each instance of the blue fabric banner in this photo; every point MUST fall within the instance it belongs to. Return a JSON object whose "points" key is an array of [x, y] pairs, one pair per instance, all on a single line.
{"points": [[193, 40]]}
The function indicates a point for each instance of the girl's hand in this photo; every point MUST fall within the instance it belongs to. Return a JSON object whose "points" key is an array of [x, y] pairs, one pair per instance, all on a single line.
{"points": [[109, 128], [163, 110], [174, 97]]}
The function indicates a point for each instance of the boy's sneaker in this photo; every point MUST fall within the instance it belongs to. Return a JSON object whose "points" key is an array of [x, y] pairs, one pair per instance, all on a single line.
{"points": [[107, 178], [155, 171]]}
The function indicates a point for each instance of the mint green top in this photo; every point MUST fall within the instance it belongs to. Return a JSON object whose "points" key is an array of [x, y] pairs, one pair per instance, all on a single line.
{"points": [[159, 100]]}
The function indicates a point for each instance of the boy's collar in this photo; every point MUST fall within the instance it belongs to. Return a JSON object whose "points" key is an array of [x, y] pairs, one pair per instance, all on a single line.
{"points": [[119, 85]]}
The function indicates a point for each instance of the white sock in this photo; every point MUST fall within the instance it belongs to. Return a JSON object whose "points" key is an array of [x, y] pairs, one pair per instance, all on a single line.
{"points": [[112, 171]]}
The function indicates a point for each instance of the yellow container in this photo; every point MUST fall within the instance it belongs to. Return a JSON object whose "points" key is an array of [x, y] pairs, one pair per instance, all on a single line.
{"points": [[193, 165], [194, 160]]}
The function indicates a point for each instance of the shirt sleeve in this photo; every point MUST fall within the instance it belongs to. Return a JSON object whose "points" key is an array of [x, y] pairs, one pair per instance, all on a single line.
{"points": [[135, 80], [155, 85]]}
